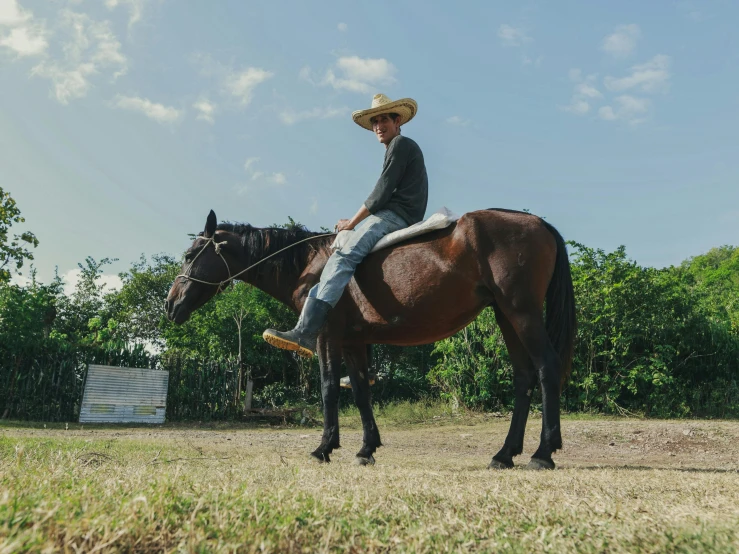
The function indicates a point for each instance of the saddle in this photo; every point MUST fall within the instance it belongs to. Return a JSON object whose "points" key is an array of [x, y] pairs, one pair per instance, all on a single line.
{"points": [[438, 220]]}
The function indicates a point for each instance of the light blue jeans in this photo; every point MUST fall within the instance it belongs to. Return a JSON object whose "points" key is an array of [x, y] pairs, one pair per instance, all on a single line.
{"points": [[344, 261]]}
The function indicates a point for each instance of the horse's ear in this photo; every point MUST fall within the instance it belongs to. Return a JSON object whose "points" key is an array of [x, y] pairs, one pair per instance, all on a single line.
{"points": [[210, 225]]}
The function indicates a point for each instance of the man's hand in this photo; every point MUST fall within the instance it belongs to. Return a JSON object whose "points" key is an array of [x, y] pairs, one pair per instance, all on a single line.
{"points": [[349, 224], [344, 225]]}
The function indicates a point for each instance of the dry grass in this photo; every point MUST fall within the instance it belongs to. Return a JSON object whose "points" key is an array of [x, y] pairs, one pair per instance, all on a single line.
{"points": [[621, 486]]}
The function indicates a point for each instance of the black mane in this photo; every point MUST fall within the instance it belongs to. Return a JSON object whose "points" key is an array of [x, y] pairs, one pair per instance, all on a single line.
{"points": [[260, 242]]}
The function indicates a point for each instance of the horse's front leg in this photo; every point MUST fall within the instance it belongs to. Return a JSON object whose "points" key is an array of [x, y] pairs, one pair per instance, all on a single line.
{"points": [[329, 358], [357, 362]]}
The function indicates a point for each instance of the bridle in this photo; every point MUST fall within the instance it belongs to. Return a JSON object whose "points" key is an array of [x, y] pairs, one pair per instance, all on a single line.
{"points": [[218, 245]]}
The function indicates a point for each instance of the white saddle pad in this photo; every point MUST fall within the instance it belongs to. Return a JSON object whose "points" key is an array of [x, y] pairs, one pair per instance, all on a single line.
{"points": [[439, 220]]}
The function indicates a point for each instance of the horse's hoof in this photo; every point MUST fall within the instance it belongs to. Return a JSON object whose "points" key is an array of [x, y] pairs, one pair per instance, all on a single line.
{"points": [[537, 464], [320, 458], [497, 464], [360, 461], [345, 382]]}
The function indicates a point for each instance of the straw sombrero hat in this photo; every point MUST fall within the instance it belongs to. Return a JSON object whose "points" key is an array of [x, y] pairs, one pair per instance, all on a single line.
{"points": [[406, 108]]}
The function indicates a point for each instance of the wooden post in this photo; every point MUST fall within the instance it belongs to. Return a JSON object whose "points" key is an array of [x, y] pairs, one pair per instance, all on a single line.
{"points": [[249, 388]]}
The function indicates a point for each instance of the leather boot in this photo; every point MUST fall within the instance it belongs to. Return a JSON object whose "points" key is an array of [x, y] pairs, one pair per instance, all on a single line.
{"points": [[303, 338]]}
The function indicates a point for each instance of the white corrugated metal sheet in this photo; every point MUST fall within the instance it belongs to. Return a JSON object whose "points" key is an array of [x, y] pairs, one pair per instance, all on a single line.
{"points": [[124, 395]]}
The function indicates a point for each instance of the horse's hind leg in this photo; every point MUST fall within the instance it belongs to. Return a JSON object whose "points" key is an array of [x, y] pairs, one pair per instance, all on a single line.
{"points": [[329, 357], [355, 358], [524, 380], [529, 326]]}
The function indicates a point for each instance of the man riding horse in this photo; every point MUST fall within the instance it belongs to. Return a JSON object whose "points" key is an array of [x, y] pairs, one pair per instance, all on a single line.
{"points": [[397, 201], [420, 292]]}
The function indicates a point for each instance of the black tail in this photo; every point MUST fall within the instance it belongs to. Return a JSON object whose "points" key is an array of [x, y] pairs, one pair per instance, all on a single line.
{"points": [[561, 320]]}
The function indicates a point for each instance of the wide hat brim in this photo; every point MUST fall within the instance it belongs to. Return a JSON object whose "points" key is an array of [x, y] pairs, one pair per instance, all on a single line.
{"points": [[406, 108]]}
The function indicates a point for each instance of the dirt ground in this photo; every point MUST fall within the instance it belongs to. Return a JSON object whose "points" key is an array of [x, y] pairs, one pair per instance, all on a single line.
{"points": [[591, 442]]}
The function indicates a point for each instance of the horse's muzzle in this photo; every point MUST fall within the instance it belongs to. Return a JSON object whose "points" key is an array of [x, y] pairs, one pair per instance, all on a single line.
{"points": [[170, 308], [175, 312]]}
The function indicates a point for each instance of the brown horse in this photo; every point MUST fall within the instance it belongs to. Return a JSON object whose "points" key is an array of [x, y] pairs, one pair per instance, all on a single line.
{"points": [[417, 292]]}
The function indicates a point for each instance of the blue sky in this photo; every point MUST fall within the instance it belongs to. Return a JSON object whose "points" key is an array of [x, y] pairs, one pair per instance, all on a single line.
{"points": [[122, 122]]}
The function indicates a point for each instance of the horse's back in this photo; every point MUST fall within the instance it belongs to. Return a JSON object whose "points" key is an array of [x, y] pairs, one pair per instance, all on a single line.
{"points": [[450, 274], [498, 224]]}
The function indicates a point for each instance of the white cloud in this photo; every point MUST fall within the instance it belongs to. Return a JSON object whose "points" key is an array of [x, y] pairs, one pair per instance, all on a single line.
{"points": [[371, 70], [258, 178], [278, 178], [158, 112], [583, 94], [248, 163], [314, 207], [241, 84], [586, 90], [135, 7], [24, 37], [340, 83], [652, 76], [238, 86], [20, 280], [72, 277], [290, 117], [516, 37], [577, 106], [343, 27], [622, 42], [305, 73], [355, 74], [207, 65], [628, 108], [607, 113], [26, 40], [68, 83], [456, 120], [512, 36], [206, 109], [89, 48], [12, 14], [633, 105]]}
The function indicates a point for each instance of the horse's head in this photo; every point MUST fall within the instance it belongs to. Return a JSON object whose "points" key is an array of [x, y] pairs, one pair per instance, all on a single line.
{"points": [[205, 272]]}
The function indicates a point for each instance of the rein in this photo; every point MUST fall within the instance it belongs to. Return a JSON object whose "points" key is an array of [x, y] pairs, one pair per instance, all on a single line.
{"points": [[218, 245]]}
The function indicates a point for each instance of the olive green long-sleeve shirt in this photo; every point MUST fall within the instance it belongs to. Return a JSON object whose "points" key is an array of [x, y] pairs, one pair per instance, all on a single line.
{"points": [[403, 184]]}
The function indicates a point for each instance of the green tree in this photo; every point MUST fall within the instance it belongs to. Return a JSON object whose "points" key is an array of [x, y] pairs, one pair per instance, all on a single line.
{"points": [[13, 250], [83, 313], [658, 342], [473, 368], [27, 316], [714, 277], [138, 306]]}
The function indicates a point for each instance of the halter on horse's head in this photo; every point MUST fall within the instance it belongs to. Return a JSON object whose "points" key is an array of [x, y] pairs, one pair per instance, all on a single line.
{"points": [[189, 292], [196, 284]]}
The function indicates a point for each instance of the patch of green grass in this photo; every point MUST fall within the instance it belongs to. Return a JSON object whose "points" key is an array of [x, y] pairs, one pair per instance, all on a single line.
{"points": [[405, 413]]}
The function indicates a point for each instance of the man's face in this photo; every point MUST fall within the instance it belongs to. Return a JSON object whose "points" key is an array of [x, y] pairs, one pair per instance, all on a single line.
{"points": [[385, 128]]}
